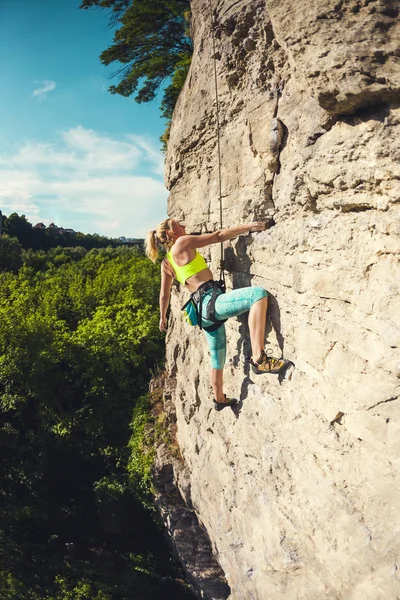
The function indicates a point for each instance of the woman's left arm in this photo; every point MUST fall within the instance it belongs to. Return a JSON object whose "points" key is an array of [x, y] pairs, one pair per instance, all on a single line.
{"points": [[221, 235], [165, 293]]}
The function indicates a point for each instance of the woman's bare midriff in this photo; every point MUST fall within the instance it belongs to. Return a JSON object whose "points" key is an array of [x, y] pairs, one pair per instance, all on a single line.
{"points": [[195, 281]]}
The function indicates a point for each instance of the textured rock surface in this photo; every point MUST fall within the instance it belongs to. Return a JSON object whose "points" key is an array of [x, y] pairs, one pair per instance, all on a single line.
{"points": [[172, 493], [299, 489]]}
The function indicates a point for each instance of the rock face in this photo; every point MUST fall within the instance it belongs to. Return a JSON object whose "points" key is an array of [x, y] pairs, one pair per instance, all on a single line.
{"points": [[299, 489]]}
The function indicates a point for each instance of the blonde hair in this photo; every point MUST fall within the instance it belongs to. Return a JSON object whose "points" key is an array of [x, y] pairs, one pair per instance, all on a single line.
{"points": [[159, 235]]}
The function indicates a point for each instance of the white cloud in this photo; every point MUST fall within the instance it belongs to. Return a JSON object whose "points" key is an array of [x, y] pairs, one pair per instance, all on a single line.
{"points": [[153, 155], [81, 150], [88, 181], [44, 88]]}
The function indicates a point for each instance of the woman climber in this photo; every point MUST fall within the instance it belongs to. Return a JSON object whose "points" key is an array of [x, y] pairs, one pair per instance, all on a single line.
{"points": [[185, 264]]}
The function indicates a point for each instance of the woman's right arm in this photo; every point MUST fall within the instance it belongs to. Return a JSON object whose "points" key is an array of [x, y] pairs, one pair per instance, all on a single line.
{"points": [[165, 293], [221, 235]]}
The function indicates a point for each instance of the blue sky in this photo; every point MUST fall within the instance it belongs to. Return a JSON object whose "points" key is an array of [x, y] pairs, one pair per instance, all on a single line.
{"points": [[70, 152]]}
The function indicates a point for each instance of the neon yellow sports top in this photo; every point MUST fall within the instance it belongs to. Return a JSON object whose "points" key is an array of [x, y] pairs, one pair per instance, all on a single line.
{"points": [[183, 273]]}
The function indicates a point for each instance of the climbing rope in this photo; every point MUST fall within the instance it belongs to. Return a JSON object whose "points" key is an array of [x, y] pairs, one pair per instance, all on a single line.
{"points": [[222, 264]]}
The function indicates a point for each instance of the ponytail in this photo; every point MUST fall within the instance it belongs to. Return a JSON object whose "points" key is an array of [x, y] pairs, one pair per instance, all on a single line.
{"points": [[151, 247], [158, 236]]}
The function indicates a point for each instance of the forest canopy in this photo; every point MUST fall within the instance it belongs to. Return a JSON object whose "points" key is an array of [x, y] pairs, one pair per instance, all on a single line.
{"points": [[79, 341], [43, 238]]}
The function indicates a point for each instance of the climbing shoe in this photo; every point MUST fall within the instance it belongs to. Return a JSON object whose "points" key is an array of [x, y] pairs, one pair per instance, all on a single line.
{"points": [[268, 364], [228, 402]]}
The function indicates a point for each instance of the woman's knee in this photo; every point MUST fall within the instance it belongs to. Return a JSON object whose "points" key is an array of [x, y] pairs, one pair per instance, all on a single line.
{"points": [[218, 359], [258, 293]]}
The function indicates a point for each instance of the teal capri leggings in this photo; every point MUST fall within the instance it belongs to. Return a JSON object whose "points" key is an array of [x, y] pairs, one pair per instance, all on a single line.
{"points": [[230, 304]]}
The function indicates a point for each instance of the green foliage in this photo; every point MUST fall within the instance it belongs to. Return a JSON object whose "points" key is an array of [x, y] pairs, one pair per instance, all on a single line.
{"points": [[32, 238], [84, 590], [10, 254], [141, 456], [153, 44], [78, 342], [19, 227]]}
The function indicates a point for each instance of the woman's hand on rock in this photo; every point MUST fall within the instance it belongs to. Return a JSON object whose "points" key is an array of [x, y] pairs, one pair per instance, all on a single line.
{"points": [[257, 226], [163, 324]]}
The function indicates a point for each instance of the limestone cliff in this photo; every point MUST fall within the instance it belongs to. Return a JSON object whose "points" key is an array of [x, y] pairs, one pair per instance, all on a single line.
{"points": [[298, 491]]}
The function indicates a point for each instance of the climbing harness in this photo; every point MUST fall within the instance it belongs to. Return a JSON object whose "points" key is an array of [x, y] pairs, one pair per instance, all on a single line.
{"points": [[193, 309]]}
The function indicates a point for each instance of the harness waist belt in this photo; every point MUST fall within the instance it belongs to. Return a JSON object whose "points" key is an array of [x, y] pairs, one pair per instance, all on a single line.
{"points": [[202, 289]]}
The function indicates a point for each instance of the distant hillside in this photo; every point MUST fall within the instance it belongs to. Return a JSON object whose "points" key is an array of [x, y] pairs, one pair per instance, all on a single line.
{"points": [[40, 237]]}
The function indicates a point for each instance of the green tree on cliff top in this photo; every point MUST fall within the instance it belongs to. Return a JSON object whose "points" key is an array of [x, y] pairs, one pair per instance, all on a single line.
{"points": [[152, 45]]}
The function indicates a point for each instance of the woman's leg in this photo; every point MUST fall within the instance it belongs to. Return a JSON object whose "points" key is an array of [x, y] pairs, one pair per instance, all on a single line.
{"points": [[257, 325], [217, 383], [217, 345], [255, 301]]}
